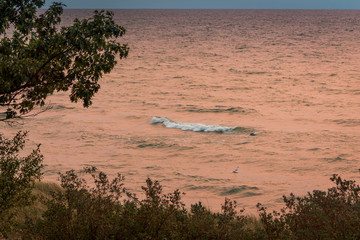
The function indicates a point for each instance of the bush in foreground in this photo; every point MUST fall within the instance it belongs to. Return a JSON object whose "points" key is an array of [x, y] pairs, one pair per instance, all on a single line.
{"points": [[109, 211], [17, 178], [334, 214]]}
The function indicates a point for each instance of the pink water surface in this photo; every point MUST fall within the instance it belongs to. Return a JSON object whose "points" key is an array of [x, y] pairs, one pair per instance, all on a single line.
{"points": [[292, 76]]}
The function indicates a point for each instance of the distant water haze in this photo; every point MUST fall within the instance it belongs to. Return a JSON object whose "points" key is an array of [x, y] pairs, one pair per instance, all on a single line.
{"points": [[292, 76]]}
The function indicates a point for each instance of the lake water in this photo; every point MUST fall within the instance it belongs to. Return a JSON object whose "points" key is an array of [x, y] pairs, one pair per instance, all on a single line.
{"points": [[293, 76]]}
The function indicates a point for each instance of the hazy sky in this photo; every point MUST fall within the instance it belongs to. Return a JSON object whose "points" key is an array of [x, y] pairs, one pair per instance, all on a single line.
{"points": [[211, 4]]}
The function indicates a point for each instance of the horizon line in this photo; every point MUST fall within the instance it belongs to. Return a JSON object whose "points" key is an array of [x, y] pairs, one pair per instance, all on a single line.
{"points": [[65, 8]]}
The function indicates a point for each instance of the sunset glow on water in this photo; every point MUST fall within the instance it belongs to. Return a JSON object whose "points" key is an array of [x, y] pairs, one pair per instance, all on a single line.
{"points": [[292, 76]]}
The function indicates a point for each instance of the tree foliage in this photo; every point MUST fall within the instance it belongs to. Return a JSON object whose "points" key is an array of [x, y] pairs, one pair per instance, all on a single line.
{"points": [[17, 177], [38, 57]]}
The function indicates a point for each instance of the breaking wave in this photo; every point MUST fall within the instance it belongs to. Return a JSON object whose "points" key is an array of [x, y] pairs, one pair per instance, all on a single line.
{"points": [[196, 127]]}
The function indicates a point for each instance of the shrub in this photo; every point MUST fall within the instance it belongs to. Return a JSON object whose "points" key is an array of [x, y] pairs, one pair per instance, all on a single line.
{"points": [[79, 211], [334, 214], [109, 211], [17, 178], [228, 224]]}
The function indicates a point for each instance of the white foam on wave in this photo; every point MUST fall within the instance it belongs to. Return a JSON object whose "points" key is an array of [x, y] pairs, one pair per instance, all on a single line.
{"points": [[196, 127]]}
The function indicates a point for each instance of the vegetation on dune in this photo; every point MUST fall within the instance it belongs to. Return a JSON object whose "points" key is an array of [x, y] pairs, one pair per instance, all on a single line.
{"points": [[17, 178], [109, 211], [334, 214], [104, 209]]}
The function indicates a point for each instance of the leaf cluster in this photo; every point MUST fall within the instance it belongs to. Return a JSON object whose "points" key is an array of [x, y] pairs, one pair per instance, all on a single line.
{"points": [[39, 57]]}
